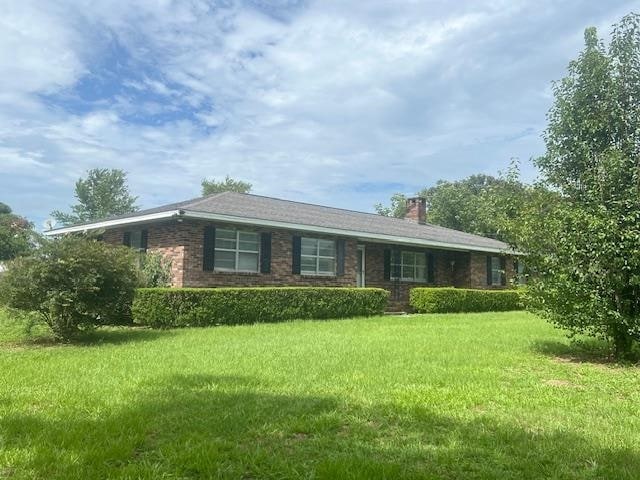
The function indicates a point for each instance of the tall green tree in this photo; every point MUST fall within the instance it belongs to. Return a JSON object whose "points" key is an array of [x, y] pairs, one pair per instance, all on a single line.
{"points": [[476, 204], [464, 204], [584, 245], [17, 236], [104, 192], [229, 184]]}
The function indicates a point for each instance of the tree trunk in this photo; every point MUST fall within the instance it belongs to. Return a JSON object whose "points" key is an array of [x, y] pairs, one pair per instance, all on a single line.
{"points": [[622, 342]]}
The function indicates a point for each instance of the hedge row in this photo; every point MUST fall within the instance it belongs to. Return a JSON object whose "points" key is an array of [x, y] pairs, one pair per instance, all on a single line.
{"points": [[185, 307], [450, 300]]}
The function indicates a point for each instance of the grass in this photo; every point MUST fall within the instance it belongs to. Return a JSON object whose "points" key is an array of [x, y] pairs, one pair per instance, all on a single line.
{"points": [[499, 395]]}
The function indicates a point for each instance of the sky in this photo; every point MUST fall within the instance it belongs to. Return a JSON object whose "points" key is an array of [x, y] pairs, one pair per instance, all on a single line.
{"points": [[332, 102]]}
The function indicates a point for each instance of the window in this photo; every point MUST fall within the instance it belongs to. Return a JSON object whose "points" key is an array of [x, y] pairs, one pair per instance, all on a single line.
{"points": [[317, 256], [521, 276], [136, 239], [236, 251], [496, 271], [409, 266]]}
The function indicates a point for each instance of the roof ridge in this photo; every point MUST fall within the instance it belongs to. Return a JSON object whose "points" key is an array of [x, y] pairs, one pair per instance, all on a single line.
{"points": [[324, 206], [199, 200], [377, 215]]}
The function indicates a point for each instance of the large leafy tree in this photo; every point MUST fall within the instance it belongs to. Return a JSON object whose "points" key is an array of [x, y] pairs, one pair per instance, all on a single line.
{"points": [[104, 192], [584, 244], [17, 236], [464, 204], [229, 184], [476, 204]]}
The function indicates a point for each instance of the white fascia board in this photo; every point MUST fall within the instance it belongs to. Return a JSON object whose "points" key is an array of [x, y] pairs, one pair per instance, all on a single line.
{"points": [[378, 237], [114, 223]]}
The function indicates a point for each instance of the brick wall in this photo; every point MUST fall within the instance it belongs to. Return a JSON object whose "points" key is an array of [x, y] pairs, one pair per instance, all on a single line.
{"points": [[478, 271], [446, 273], [281, 259], [182, 243], [167, 238]]}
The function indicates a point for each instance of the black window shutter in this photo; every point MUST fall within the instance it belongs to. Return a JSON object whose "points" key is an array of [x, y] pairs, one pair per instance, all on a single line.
{"points": [[265, 253], [489, 276], [296, 252], [209, 248], [144, 240], [340, 254], [387, 264], [126, 239], [503, 273], [431, 275]]}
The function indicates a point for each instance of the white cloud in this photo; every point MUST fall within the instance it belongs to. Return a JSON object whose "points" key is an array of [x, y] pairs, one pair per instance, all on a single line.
{"points": [[326, 101], [38, 52]]}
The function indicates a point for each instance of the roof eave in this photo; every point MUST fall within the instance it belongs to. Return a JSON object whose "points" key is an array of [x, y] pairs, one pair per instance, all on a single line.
{"points": [[151, 217], [363, 236]]}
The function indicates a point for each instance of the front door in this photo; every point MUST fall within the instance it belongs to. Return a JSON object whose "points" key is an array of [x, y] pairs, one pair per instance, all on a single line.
{"points": [[360, 266]]}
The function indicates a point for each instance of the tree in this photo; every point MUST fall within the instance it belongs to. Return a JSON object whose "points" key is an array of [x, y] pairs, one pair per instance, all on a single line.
{"points": [[17, 236], [397, 209], [210, 187], [474, 204], [103, 193], [462, 205], [583, 245], [73, 283]]}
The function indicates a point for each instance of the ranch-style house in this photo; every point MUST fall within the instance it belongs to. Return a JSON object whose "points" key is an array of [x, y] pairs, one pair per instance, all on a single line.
{"points": [[234, 239]]}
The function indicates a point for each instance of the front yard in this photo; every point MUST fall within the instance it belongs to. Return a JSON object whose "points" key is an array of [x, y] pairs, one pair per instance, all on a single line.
{"points": [[497, 395]]}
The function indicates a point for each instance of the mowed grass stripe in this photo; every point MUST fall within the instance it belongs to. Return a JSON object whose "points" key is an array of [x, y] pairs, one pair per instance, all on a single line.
{"points": [[493, 395]]}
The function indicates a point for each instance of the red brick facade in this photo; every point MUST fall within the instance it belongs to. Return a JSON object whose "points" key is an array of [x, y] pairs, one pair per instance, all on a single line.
{"points": [[182, 243]]}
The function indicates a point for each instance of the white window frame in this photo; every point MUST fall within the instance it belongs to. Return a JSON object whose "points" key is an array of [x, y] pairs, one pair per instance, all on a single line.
{"points": [[237, 251], [414, 265], [318, 257]]}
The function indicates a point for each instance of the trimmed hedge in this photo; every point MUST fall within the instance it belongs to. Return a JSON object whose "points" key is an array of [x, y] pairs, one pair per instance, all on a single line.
{"points": [[451, 300], [190, 307]]}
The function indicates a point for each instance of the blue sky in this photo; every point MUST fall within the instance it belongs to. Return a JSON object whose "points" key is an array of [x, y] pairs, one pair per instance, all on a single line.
{"points": [[331, 102]]}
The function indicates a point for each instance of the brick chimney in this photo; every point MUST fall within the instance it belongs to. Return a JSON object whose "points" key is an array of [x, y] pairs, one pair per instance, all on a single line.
{"points": [[416, 210]]}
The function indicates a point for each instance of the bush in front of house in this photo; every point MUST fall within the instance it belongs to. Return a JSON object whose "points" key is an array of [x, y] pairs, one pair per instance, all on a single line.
{"points": [[188, 307], [452, 300], [154, 270], [73, 284]]}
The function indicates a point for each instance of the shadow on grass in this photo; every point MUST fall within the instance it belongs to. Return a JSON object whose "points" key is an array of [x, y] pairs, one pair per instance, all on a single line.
{"points": [[226, 427], [100, 336], [119, 335], [583, 351]]}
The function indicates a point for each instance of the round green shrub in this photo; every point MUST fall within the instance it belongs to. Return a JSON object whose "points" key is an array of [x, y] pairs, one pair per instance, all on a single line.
{"points": [[73, 283], [453, 300]]}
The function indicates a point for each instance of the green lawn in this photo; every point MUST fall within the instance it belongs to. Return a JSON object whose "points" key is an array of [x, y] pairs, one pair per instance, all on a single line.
{"points": [[435, 396]]}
